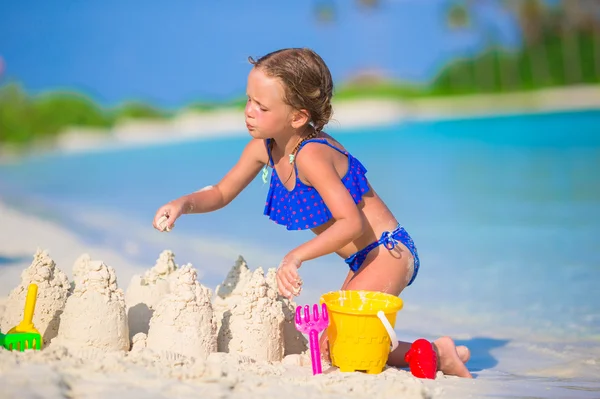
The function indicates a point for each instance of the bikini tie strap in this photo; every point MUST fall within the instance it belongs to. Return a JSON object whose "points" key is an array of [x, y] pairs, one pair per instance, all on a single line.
{"points": [[388, 239]]}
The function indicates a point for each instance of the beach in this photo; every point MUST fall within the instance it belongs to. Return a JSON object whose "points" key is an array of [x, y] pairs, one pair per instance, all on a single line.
{"points": [[78, 366], [348, 114], [80, 216]]}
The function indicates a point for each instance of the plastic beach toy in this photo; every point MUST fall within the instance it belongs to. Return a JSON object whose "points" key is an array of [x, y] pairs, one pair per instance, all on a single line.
{"points": [[361, 333], [422, 359], [313, 327], [24, 335]]}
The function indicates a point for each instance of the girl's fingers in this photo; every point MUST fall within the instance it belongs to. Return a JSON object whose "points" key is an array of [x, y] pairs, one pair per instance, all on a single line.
{"points": [[164, 221], [293, 278], [162, 212], [293, 273], [281, 286], [293, 285], [164, 224]]}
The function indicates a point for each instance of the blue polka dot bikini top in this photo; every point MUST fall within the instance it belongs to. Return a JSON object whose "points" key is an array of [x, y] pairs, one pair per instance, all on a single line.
{"points": [[303, 208]]}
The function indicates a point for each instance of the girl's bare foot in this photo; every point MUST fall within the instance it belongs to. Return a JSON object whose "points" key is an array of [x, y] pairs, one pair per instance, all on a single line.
{"points": [[449, 360], [463, 353]]}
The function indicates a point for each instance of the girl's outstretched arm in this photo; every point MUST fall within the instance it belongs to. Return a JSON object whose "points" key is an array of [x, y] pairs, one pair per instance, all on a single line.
{"points": [[211, 198], [316, 164]]}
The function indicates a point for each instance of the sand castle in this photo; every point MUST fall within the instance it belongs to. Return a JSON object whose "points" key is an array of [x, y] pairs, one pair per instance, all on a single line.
{"points": [[233, 294], [53, 287], [145, 292], [229, 293], [94, 315], [294, 342], [165, 310], [254, 325], [183, 321]]}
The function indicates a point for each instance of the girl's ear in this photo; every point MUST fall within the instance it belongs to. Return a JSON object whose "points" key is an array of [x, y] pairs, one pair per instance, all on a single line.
{"points": [[300, 118]]}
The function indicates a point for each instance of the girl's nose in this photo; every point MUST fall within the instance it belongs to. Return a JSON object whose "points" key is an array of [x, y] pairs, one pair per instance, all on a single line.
{"points": [[248, 110]]}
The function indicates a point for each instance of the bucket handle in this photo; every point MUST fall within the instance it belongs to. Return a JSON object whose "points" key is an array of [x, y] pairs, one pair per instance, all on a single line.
{"points": [[389, 329]]}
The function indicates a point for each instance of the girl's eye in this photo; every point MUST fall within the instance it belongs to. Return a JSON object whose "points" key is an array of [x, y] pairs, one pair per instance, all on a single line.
{"points": [[263, 109]]}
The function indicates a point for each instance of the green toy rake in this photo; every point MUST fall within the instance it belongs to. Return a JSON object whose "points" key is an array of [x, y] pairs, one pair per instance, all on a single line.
{"points": [[24, 335]]}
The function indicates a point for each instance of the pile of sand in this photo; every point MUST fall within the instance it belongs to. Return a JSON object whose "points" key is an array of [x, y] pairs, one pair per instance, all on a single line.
{"points": [[94, 315], [145, 291], [254, 325], [53, 288], [62, 372], [166, 309], [183, 321], [294, 341], [229, 293], [234, 293], [90, 356]]}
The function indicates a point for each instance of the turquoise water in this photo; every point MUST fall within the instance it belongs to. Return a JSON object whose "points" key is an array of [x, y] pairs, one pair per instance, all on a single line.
{"points": [[505, 213]]}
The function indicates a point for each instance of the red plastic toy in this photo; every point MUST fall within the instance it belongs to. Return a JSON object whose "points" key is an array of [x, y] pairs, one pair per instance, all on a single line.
{"points": [[422, 359]]}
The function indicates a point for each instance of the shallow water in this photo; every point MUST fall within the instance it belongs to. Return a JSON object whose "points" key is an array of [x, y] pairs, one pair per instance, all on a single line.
{"points": [[505, 213]]}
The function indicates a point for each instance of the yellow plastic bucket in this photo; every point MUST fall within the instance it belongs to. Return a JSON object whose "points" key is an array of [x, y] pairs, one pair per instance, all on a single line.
{"points": [[361, 329]]}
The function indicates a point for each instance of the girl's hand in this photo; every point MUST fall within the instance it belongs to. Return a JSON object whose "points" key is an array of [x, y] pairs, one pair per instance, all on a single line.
{"points": [[165, 217], [289, 283]]}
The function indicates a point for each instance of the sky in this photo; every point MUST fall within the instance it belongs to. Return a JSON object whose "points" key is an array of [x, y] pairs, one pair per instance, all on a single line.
{"points": [[175, 53]]}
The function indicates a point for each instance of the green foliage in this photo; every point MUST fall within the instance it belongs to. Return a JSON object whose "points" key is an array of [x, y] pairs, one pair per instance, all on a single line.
{"points": [[238, 103], [383, 89], [52, 112], [16, 111], [137, 109], [552, 55], [543, 64], [23, 118]]}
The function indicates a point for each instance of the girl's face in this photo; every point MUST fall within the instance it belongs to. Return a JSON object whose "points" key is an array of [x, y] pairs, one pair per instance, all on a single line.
{"points": [[267, 115]]}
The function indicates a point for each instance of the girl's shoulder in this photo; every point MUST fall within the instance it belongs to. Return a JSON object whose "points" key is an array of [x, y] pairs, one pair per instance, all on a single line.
{"points": [[256, 150], [324, 145], [322, 152], [331, 140]]}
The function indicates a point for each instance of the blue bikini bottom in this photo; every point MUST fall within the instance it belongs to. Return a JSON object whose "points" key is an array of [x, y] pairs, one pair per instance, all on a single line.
{"points": [[389, 240]]}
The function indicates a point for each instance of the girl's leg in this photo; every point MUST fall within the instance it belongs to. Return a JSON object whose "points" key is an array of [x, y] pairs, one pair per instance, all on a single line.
{"points": [[389, 272]]}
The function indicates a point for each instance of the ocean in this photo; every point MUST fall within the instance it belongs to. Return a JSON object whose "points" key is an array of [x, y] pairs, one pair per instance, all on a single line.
{"points": [[505, 213]]}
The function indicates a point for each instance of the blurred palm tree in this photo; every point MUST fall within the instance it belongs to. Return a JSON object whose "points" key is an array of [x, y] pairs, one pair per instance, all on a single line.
{"points": [[595, 27], [571, 20], [531, 17], [369, 3], [458, 17], [462, 15], [586, 20], [325, 11]]}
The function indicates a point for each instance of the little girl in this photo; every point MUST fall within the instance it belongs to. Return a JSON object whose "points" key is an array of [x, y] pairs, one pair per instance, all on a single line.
{"points": [[315, 184]]}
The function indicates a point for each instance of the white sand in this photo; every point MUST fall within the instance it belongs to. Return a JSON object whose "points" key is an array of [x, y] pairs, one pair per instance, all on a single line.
{"points": [[231, 294], [145, 291], [59, 372], [22, 234], [294, 341], [53, 287], [254, 325], [184, 322], [95, 315], [90, 356]]}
